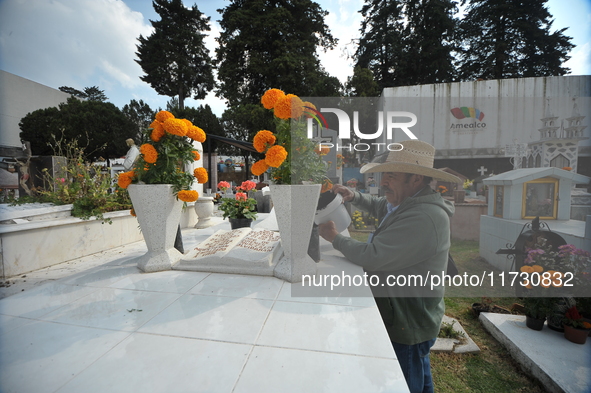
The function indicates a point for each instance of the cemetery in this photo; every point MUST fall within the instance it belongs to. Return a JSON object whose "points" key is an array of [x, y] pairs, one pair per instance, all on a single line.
{"points": [[97, 291]]}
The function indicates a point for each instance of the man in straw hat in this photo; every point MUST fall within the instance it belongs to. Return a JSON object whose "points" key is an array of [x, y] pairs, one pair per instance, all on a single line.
{"points": [[413, 238]]}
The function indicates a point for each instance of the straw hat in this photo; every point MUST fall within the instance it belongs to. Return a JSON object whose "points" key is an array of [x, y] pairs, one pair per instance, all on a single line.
{"points": [[414, 157]]}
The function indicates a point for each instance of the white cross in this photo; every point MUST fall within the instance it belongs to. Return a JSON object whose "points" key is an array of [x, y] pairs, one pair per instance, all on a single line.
{"points": [[482, 169]]}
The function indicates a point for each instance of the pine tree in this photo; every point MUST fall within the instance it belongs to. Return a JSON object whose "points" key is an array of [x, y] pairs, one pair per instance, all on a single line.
{"points": [[272, 44], [380, 44], [510, 39], [174, 57], [428, 42]]}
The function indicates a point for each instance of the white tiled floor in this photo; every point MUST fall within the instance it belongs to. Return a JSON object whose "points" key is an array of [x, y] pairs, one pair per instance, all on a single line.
{"points": [[111, 328]]}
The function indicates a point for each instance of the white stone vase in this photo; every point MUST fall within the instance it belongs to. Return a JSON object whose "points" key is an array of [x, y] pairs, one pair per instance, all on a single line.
{"points": [[204, 209], [159, 213], [295, 207]]}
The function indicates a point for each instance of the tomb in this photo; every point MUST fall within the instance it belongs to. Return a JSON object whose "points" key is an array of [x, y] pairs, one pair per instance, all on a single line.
{"points": [[519, 196]]}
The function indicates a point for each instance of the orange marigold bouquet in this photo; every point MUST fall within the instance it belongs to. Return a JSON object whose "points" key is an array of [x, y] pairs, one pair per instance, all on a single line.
{"points": [[289, 153], [163, 159]]}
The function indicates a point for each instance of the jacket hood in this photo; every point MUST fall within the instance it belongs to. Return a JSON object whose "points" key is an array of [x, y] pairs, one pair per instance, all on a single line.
{"points": [[428, 195]]}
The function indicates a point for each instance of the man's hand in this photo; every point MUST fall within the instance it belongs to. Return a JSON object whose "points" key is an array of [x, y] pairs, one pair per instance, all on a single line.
{"points": [[328, 231], [345, 192]]}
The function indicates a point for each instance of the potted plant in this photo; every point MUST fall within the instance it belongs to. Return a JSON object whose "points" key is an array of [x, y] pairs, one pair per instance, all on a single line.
{"points": [[158, 184], [295, 187], [576, 329], [240, 210], [536, 309], [548, 269]]}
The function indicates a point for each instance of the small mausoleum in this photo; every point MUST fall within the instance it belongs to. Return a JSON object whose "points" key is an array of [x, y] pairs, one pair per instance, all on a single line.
{"points": [[519, 196]]}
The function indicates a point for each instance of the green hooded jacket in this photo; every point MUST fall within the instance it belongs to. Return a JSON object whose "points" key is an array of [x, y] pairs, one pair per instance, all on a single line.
{"points": [[414, 240]]}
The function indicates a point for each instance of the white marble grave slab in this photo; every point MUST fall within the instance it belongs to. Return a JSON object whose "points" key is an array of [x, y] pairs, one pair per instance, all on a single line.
{"points": [[239, 251]]}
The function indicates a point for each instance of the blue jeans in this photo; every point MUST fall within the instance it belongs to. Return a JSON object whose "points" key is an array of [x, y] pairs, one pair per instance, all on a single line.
{"points": [[415, 364]]}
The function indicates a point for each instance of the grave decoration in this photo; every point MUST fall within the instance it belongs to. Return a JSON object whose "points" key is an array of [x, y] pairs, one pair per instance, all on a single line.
{"points": [[240, 251]]}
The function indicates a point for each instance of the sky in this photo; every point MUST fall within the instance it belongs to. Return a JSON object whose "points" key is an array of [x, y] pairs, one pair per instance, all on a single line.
{"points": [[84, 43]]}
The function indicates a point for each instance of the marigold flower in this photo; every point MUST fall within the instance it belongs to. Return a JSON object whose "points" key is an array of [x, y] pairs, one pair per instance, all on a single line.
{"points": [[270, 98], [537, 268], [526, 269], [197, 155], [149, 152], [188, 195], [321, 150], [187, 122], [157, 131], [259, 167], [290, 106], [132, 212], [124, 179], [201, 175], [196, 133], [175, 127], [240, 196], [162, 116], [275, 156], [263, 139]]}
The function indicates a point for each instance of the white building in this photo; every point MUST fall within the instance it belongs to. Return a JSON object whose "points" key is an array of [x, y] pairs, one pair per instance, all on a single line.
{"points": [[475, 126], [19, 96]]}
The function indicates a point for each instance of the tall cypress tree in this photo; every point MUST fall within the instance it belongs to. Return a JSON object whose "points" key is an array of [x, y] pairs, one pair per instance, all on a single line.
{"points": [[511, 39], [174, 57]]}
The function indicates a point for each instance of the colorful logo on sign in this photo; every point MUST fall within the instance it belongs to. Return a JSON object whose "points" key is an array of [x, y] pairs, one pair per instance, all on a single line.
{"points": [[310, 112], [464, 112]]}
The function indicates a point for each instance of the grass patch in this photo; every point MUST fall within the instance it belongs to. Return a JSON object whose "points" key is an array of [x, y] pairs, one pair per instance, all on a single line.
{"points": [[490, 371]]}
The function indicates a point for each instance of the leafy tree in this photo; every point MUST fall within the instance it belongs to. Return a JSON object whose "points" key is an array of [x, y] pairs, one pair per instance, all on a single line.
{"points": [[90, 93], [511, 39], [141, 115], [37, 127], [362, 84], [242, 122], [99, 128], [72, 91], [95, 94], [272, 44], [174, 57], [204, 118]]}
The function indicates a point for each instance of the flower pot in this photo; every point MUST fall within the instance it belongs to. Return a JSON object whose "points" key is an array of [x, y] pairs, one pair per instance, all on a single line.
{"points": [[334, 211], [577, 336], [236, 223], [295, 207], [159, 213], [534, 323]]}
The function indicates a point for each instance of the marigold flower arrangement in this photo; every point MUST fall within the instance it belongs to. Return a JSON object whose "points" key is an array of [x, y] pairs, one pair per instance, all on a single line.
{"points": [[289, 140], [241, 206], [163, 159]]}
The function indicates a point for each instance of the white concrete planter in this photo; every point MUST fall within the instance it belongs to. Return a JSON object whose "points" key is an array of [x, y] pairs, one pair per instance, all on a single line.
{"points": [[158, 212], [295, 206]]}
